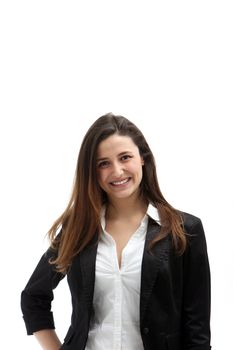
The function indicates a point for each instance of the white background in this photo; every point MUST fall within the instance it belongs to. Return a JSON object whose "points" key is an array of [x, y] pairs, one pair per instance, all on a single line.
{"points": [[167, 66]]}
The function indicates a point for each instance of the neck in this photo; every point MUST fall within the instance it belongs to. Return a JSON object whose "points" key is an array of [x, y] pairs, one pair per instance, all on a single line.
{"points": [[126, 208]]}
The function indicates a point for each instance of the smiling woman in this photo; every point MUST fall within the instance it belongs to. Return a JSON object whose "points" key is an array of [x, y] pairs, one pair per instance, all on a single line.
{"points": [[119, 167], [137, 268]]}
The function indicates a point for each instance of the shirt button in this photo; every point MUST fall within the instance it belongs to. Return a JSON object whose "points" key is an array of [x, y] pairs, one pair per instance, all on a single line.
{"points": [[145, 330]]}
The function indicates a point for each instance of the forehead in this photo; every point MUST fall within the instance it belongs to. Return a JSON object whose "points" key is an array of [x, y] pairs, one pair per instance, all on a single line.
{"points": [[116, 144]]}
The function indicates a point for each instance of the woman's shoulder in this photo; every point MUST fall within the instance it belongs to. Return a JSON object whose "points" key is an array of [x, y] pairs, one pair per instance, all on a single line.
{"points": [[190, 221], [189, 218], [194, 232], [195, 235]]}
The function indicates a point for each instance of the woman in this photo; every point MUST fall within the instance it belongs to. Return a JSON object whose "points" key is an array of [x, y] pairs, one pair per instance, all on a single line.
{"points": [[137, 268]]}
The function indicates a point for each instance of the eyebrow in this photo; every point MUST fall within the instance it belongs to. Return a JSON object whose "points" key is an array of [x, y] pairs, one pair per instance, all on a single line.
{"points": [[120, 154]]}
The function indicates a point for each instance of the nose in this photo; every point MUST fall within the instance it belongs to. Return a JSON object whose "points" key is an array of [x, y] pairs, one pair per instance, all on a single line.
{"points": [[118, 169]]}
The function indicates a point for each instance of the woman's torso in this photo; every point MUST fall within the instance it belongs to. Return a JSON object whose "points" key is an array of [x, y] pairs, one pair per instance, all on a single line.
{"points": [[115, 320]]}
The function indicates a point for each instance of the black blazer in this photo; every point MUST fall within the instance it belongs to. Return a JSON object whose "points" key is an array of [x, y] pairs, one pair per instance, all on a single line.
{"points": [[174, 301]]}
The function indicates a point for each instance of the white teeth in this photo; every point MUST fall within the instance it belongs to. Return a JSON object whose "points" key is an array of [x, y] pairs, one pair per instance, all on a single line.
{"points": [[120, 182]]}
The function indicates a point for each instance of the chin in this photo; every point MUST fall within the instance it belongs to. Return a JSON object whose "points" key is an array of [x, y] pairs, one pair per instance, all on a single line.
{"points": [[121, 195]]}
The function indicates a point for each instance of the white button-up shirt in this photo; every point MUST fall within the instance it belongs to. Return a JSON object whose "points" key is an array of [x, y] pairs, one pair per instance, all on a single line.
{"points": [[115, 324]]}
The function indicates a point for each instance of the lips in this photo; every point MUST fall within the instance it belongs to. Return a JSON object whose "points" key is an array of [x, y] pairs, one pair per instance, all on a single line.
{"points": [[121, 182]]}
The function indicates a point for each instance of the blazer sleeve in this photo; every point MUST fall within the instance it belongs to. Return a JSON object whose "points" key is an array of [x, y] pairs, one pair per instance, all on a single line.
{"points": [[196, 300], [37, 296]]}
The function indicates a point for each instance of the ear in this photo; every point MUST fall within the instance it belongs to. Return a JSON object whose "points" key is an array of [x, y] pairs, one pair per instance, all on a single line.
{"points": [[142, 161]]}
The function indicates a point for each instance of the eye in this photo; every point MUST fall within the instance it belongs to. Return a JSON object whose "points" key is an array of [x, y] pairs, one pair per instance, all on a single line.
{"points": [[103, 164], [125, 157]]}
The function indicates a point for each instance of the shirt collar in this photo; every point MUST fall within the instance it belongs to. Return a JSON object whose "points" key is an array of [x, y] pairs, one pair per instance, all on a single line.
{"points": [[153, 213]]}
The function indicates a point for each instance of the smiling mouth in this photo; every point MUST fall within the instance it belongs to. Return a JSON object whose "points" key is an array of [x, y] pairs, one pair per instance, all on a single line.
{"points": [[120, 183]]}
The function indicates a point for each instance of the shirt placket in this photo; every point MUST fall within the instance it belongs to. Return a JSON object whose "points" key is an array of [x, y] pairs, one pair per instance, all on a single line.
{"points": [[117, 305]]}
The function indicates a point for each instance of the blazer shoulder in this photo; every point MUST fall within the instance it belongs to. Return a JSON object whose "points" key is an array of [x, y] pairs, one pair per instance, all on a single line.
{"points": [[195, 234], [190, 221], [189, 218]]}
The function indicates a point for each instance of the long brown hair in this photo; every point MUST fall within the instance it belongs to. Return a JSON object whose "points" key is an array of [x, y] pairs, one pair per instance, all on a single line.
{"points": [[80, 222]]}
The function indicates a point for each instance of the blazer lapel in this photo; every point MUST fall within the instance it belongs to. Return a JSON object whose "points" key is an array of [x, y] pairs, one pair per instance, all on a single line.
{"points": [[151, 263], [87, 263]]}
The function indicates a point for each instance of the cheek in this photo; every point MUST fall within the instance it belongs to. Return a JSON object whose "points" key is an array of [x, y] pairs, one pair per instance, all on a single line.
{"points": [[101, 177], [135, 169]]}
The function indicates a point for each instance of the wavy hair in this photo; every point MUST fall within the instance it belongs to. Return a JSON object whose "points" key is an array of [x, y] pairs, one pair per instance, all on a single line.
{"points": [[80, 222]]}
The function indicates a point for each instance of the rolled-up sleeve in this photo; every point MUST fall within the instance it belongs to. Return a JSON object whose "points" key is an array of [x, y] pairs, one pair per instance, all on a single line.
{"points": [[37, 296]]}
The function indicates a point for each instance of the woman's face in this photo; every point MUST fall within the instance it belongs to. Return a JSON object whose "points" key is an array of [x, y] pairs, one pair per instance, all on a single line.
{"points": [[119, 167]]}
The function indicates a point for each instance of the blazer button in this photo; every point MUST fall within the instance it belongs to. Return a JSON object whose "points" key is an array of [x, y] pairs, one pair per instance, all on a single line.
{"points": [[145, 330]]}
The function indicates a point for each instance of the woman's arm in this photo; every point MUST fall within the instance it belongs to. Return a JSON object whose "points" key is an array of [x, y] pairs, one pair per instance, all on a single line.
{"points": [[196, 298], [48, 339], [37, 296]]}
